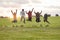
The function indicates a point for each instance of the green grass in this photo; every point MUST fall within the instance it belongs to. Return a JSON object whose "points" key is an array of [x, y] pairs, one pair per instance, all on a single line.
{"points": [[30, 30]]}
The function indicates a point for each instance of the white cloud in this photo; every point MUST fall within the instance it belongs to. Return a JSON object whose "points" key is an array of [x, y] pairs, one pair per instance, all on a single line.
{"points": [[36, 1], [46, 5], [12, 3], [16, 1]]}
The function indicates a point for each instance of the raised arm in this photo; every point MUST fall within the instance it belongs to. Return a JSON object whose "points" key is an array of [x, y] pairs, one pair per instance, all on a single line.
{"points": [[41, 12], [26, 12], [16, 10], [11, 11], [34, 12], [32, 9]]}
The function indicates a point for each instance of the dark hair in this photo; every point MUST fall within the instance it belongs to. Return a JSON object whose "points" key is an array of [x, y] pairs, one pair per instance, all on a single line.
{"points": [[22, 9]]}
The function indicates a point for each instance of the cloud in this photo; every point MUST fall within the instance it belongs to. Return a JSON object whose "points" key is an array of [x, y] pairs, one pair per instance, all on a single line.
{"points": [[54, 7], [12, 3], [9, 4], [36, 1], [16, 1]]}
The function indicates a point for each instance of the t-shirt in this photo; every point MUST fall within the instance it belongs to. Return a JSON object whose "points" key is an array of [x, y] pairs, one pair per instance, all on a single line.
{"points": [[14, 16], [22, 13], [45, 16], [37, 15], [29, 14]]}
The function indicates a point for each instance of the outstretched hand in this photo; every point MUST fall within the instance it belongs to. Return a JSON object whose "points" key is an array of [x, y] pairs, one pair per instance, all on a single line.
{"points": [[16, 9], [41, 11], [32, 9], [26, 12], [11, 10]]}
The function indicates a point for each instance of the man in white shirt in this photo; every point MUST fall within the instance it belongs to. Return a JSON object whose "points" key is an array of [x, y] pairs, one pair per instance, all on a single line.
{"points": [[22, 13]]}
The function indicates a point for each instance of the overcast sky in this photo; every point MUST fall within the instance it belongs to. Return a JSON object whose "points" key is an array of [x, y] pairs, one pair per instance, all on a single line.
{"points": [[13, 3], [7, 5]]}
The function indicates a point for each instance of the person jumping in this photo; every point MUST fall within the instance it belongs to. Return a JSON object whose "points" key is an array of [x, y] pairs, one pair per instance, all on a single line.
{"points": [[14, 16]]}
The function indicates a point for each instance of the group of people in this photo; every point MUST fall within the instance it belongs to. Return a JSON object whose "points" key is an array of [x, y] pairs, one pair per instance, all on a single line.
{"points": [[29, 13]]}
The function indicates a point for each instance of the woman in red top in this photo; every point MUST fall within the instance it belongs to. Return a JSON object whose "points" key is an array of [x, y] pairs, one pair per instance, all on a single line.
{"points": [[30, 15]]}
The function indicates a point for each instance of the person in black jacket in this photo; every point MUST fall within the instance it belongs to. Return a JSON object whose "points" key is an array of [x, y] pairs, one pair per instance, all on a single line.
{"points": [[38, 16], [46, 18]]}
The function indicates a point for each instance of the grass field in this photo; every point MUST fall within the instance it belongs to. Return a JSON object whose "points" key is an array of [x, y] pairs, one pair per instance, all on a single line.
{"points": [[30, 30]]}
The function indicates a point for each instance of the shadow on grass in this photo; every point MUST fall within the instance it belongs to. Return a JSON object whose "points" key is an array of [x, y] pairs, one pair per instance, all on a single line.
{"points": [[47, 25], [41, 25]]}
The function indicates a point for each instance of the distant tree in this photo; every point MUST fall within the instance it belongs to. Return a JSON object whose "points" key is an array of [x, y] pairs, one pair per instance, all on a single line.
{"points": [[56, 15], [41, 15], [1, 17], [49, 15], [6, 17]]}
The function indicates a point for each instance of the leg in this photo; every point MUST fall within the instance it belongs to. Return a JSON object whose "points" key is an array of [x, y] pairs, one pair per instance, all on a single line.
{"points": [[36, 19], [24, 19], [21, 18], [39, 20], [30, 19], [47, 21], [14, 21], [44, 19]]}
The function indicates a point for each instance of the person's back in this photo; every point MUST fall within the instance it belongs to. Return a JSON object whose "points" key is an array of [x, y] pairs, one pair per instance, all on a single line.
{"points": [[29, 14], [45, 16], [37, 15], [14, 15], [22, 13]]}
